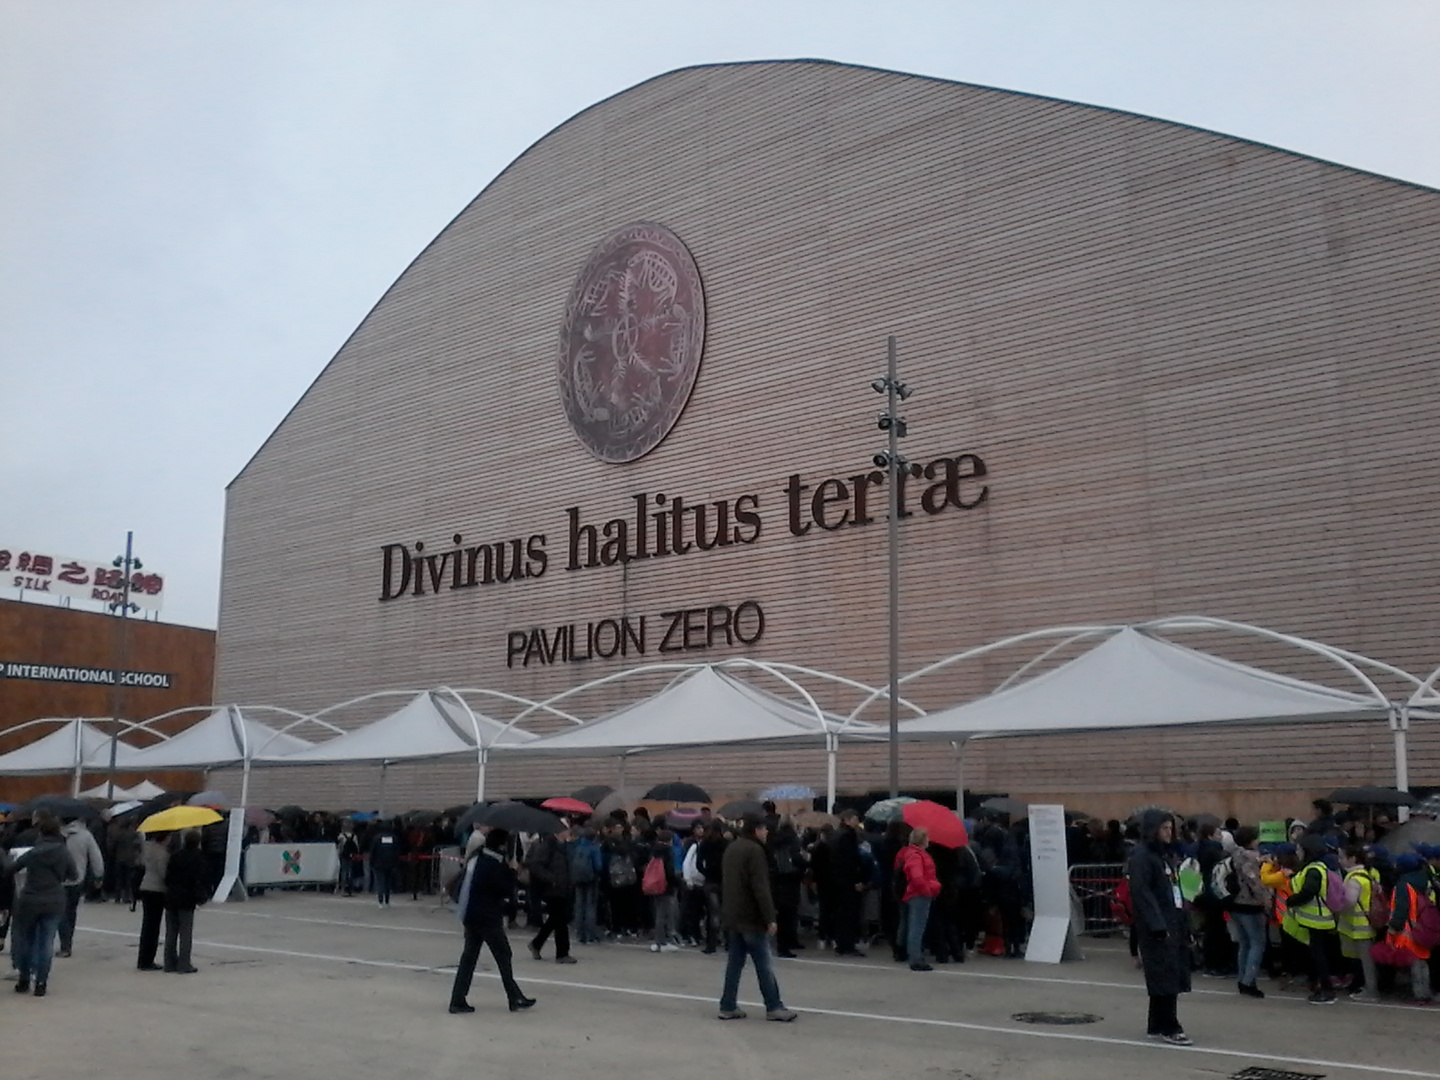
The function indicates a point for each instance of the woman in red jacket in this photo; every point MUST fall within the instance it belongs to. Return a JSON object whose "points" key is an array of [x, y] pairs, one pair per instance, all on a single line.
{"points": [[916, 869]]}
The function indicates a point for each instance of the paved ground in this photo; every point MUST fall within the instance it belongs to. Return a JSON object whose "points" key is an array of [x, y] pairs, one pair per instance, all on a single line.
{"points": [[305, 985]]}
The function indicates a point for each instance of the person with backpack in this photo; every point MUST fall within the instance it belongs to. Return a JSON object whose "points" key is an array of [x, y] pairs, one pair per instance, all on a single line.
{"points": [[622, 881], [1357, 932], [587, 863], [1250, 900], [1411, 905], [1212, 903], [1310, 915], [661, 884]]}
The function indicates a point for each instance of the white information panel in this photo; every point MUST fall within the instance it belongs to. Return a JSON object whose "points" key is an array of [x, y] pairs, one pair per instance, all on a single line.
{"points": [[1052, 933], [291, 864]]}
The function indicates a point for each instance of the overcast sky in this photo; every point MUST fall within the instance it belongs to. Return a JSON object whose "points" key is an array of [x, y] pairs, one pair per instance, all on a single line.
{"points": [[199, 201]]}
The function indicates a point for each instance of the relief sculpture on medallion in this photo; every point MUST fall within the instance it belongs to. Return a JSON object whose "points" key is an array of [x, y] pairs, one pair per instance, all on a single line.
{"points": [[631, 342]]}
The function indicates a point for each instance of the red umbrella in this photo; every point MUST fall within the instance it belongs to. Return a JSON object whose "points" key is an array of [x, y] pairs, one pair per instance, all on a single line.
{"points": [[563, 804], [945, 828]]}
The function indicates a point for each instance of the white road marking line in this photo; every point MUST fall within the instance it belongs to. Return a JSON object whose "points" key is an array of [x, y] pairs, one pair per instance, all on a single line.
{"points": [[959, 1025]]}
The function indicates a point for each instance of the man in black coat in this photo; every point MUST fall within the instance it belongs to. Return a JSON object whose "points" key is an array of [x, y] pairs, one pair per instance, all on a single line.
{"points": [[487, 883], [1163, 929], [549, 866], [848, 881]]}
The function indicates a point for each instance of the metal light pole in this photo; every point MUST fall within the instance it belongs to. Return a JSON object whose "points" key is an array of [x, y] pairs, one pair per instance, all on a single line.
{"points": [[122, 633], [895, 391]]}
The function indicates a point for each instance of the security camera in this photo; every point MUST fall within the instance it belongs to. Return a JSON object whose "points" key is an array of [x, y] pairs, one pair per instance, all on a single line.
{"points": [[883, 421]]}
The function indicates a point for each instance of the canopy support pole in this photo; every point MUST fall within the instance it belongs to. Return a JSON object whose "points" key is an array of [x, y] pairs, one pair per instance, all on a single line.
{"points": [[79, 759], [480, 779], [620, 771], [959, 777], [380, 810], [1400, 725], [831, 752]]}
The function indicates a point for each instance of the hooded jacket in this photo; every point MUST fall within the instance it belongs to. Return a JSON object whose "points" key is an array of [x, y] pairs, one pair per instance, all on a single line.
{"points": [[47, 867], [84, 852], [1159, 913]]}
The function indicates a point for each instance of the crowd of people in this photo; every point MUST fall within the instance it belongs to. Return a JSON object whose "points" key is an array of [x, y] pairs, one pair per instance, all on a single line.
{"points": [[1330, 906]]}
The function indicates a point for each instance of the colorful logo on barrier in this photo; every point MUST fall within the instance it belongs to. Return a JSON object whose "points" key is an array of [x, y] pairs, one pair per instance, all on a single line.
{"points": [[292, 862], [631, 342]]}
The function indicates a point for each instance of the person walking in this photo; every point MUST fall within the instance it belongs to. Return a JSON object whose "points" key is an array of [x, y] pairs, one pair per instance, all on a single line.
{"points": [[747, 913], [89, 866], [1160, 916], [40, 904], [549, 866], [487, 884], [384, 858], [921, 886], [187, 879], [155, 858]]}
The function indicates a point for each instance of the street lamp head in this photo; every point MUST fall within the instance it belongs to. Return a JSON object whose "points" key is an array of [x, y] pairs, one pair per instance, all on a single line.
{"points": [[902, 391], [880, 386]]}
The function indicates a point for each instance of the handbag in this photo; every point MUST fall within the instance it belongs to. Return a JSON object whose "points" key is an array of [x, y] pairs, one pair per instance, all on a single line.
{"points": [[1388, 954]]}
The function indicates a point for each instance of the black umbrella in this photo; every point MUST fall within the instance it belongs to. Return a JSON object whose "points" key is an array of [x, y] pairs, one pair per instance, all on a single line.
{"points": [[422, 817], [1372, 796], [592, 794], [454, 811], [677, 791], [292, 811], [517, 817], [471, 817], [62, 806], [1003, 804], [738, 808]]}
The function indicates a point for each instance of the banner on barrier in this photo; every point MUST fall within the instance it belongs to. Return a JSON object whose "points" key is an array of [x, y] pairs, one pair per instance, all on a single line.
{"points": [[291, 864]]}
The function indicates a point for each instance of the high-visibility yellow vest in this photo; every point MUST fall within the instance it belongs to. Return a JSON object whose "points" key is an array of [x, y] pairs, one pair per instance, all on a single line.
{"points": [[1355, 922], [1313, 915]]}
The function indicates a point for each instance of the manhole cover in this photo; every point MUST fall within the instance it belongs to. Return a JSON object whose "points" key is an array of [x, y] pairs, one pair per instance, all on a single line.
{"points": [[1056, 1018], [1258, 1072]]}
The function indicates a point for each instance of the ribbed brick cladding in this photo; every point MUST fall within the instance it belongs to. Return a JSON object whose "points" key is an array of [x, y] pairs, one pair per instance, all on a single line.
{"points": [[1201, 373]]}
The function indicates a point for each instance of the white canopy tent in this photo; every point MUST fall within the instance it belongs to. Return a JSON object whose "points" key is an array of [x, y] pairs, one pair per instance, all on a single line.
{"points": [[705, 705], [1136, 679], [139, 793], [432, 724], [76, 746]]}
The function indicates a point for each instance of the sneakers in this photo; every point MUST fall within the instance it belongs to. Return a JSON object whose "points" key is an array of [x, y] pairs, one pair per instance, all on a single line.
{"points": [[730, 1014], [1251, 990], [535, 952], [922, 966], [562, 959], [1321, 997], [64, 953], [654, 946], [40, 989], [1177, 1038], [783, 1016], [668, 947], [22, 985], [1365, 997]]}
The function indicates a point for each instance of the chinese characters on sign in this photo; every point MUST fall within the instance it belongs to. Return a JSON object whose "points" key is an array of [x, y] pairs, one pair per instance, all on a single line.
{"points": [[79, 579]]}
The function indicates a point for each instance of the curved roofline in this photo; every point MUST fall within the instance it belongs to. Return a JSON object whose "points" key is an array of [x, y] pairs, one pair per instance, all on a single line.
{"points": [[760, 63]]}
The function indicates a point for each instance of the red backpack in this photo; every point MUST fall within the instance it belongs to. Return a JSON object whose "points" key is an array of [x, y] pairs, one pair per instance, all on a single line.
{"points": [[1120, 909], [1424, 919], [654, 883]]}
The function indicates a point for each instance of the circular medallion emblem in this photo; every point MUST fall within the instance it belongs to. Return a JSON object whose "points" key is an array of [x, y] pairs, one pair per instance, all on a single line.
{"points": [[631, 343]]}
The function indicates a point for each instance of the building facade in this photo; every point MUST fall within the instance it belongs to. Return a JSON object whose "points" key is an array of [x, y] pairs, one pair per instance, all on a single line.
{"points": [[60, 662], [619, 411]]}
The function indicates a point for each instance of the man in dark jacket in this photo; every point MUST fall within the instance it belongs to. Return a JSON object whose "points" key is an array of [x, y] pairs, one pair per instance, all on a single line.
{"points": [[549, 866], [1160, 917], [40, 905], [487, 884], [747, 912], [187, 886]]}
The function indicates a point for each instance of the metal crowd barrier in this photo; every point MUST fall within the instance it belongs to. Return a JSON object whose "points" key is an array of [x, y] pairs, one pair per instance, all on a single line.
{"points": [[1094, 885]]}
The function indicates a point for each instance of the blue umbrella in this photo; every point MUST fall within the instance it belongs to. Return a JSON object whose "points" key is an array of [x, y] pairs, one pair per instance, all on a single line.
{"points": [[787, 791]]}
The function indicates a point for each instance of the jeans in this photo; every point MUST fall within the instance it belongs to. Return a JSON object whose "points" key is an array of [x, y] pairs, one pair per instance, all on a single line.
{"points": [[557, 919], [73, 895], [33, 943], [383, 876], [757, 948], [179, 928], [916, 915], [1251, 927], [667, 918], [587, 899], [492, 935]]}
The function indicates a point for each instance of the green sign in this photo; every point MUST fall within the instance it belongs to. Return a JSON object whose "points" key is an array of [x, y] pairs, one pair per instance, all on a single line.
{"points": [[1272, 832]]}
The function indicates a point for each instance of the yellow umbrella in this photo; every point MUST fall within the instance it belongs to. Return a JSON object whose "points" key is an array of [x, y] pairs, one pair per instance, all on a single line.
{"points": [[180, 817]]}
